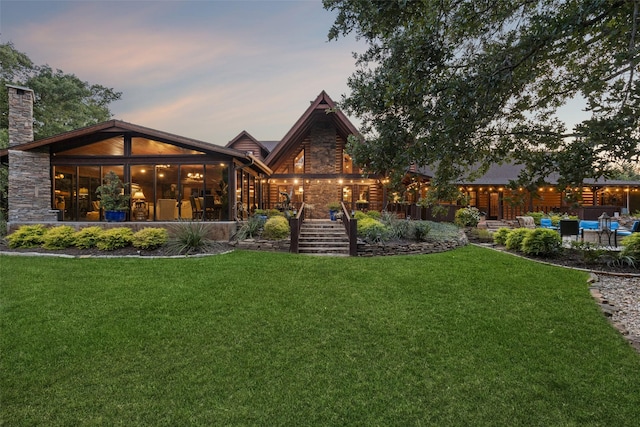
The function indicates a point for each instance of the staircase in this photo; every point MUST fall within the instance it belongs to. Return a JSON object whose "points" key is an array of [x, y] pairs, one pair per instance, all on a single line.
{"points": [[323, 237]]}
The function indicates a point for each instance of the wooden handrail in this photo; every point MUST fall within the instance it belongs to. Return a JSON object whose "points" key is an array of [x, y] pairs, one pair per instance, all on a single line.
{"points": [[351, 227], [295, 224]]}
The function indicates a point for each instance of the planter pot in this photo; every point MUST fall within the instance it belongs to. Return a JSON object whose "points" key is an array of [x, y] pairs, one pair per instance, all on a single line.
{"points": [[115, 216], [332, 215]]}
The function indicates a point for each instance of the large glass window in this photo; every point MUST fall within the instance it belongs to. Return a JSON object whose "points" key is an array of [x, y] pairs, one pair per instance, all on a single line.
{"points": [[142, 192], [88, 203]]}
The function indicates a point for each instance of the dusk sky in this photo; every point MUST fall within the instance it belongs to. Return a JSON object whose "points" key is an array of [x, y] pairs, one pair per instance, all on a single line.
{"points": [[202, 69], [205, 69]]}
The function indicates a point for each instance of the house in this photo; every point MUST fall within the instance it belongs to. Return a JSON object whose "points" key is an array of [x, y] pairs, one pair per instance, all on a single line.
{"points": [[172, 177]]}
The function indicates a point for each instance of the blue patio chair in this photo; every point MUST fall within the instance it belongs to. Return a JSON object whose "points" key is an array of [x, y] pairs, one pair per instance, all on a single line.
{"points": [[635, 228], [616, 226], [546, 223]]}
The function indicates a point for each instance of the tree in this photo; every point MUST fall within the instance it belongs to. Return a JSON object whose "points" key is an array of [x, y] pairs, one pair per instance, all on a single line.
{"points": [[458, 85], [62, 101]]}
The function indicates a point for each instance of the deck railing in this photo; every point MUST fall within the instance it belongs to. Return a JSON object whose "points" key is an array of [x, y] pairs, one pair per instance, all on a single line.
{"points": [[351, 227], [295, 223]]}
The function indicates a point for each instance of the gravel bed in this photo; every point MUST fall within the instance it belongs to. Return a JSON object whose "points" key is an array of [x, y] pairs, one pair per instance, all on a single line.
{"points": [[620, 299]]}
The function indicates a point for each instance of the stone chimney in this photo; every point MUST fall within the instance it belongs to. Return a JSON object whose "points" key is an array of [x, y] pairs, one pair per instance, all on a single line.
{"points": [[20, 115]]}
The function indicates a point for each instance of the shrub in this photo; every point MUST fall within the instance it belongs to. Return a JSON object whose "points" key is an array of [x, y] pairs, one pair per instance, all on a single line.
{"points": [[515, 238], [27, 236], [87, 237], [150, 238], [421, 230], [500, 236], [631, 246], [115, 238], [359, 215], [374, 215], [59, 237], [188, 237], [274, 212], [372, 230], [467, 217], [251, 228], [276, 228], [541, 241]]}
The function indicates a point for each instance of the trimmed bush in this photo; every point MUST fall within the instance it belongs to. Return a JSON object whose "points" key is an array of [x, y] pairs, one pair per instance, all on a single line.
{"points": [[115, 238], [150, 238], [276, 228], [187, 237], [467, 217], [87, 238], [515, 238], [359, 215], [541, 241], [59, 237], [374, 214], [274, 212], [27, 236], [500, 236], [372, 230], [631, 246]]}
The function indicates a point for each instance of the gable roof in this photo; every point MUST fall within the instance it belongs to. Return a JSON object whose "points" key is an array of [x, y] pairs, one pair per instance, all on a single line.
{"points": [[246, 135], [323, 104], [118, 127]]}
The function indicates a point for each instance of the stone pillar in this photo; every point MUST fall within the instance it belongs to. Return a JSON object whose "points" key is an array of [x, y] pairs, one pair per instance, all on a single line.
{"points": [[30, 187], [29, 171], [20, 115]]}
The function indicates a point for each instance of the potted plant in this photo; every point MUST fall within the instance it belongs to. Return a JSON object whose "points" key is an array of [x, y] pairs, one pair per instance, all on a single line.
{"points": [[113, 200], [334, 208]]}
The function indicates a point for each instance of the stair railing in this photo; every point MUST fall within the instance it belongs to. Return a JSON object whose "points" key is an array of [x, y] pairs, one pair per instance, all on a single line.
{"points": [[351, 228], [295, 223]]}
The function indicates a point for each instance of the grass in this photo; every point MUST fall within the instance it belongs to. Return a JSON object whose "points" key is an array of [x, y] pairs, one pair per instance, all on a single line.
{"points": [[467, 337]]}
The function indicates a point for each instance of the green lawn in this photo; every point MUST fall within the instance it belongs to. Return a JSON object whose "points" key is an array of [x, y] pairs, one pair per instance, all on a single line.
{"points": [[470, 337]]}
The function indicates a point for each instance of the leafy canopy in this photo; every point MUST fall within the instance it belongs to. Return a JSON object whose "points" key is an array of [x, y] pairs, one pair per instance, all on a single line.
{"points": [[63, 102], [458, 85]]}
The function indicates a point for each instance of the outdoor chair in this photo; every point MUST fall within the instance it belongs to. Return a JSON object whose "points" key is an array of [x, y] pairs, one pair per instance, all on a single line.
{"points": [[615, 226], [546, 223], [569, 227]]}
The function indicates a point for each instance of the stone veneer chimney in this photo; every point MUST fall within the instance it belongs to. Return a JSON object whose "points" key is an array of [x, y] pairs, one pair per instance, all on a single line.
{"points": [[29, 195], [20, 115]]}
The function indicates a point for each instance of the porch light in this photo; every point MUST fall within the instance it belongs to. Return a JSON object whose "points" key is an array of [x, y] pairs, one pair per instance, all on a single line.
{"points": [[604, 222]]}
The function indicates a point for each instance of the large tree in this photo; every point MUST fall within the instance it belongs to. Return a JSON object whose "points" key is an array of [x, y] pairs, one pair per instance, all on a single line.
{"points": [[62, 101], [460, 84]]}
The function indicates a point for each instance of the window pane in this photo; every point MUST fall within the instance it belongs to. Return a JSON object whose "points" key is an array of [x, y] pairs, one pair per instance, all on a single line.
{"points": [[145, 146], [109, 147]]}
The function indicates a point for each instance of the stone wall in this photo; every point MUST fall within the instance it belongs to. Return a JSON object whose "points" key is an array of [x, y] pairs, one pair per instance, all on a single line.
{"points": [[411, 248], [321, 159], [30, 187]]}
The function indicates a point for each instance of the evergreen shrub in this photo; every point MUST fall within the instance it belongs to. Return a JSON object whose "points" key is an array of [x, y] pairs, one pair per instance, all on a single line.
{"points": [[27, 236], [87, 237], [60, 237], [542, 241], [276, 228], [500, 236], [631, 246], [115, 238], [515, 238], [150, 238], [467, 217]]}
